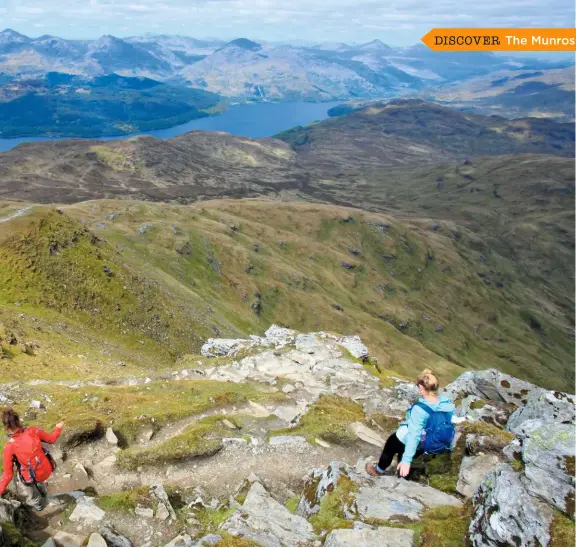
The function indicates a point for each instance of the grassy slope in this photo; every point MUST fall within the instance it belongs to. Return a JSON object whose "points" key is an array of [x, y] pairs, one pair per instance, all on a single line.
{"points": [[219, 284], [64, 105]]}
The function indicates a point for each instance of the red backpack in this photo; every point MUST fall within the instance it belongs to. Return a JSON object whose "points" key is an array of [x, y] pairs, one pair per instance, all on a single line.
{"points": [[33, 461]]}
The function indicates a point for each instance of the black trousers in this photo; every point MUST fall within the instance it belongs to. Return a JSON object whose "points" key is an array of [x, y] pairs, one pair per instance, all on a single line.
{"points": [[393, 447]]}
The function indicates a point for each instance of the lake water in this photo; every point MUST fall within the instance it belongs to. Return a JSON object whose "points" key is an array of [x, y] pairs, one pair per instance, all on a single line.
{"points": [[253, 120]]}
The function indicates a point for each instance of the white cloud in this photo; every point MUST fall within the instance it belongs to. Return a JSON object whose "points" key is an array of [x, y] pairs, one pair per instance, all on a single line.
{"points": [[394, 21]]}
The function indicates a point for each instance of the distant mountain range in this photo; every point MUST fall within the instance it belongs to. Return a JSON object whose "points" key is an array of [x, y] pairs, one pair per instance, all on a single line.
{"points": [[244, 70], [66, 105], [513, 94]]}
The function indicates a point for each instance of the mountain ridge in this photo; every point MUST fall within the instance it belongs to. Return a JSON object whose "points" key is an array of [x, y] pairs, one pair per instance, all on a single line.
{"points": [[340, 149], [278, 72]]}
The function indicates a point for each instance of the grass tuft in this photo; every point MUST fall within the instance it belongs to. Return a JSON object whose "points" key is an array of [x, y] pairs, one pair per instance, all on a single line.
{"points": [[198, 440], [562, 531], [331, 513], [125, 501], [327, 419]]}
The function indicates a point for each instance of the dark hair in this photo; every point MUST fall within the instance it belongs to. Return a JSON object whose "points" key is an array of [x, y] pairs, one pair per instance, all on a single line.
{"points": [[10, 419]]}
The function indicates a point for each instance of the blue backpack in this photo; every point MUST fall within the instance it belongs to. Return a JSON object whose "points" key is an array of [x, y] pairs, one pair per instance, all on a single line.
{"points": [[439, 430]]}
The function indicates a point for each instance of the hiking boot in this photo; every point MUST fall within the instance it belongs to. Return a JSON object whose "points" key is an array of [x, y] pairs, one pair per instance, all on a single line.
{"points": [[371, 469]]}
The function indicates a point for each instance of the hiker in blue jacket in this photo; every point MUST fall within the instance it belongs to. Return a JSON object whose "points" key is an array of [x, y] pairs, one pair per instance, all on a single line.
{"points": [[427, 429]]}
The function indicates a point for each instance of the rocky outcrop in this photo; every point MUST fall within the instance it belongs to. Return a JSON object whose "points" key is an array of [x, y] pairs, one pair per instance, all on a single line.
{"points": [[493, 385], [265, 521], [281, 436], [545, 406], [396, 499], [313, 363], [506, 514], [548, 455], [516, 506], [214, 348], [385, 498]]}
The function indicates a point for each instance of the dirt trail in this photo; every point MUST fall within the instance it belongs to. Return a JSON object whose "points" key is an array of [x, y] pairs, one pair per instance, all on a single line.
{"points": [[17, 213]]}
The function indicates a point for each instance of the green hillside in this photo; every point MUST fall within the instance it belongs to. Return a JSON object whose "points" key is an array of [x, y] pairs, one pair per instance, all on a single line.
{"points": [[145, 284], [64, 105]]}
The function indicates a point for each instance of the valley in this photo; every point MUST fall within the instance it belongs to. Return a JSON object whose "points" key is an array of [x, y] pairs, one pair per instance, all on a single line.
{"points": [[231, 328], [471, 256]]}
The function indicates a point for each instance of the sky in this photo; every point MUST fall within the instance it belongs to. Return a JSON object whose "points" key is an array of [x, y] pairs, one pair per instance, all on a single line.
{"points": [[395, 22]]}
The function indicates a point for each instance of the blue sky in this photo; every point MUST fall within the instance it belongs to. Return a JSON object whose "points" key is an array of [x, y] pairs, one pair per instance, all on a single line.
{"points": [[396, 22]]}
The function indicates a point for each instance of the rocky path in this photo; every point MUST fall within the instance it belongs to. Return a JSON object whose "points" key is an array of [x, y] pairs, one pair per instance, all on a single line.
{"points": [[269, 469]]}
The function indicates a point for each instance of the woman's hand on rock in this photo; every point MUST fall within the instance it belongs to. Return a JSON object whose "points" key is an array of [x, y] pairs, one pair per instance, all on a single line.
{"points": [[403, 469]]}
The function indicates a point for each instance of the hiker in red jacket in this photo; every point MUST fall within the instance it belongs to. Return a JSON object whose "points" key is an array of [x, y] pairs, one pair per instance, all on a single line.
{"points": [[24, 449]]}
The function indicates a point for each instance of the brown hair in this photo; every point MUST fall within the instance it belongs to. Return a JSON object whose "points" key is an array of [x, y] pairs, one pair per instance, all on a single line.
{"points": [[10, 419], [428, 381]]}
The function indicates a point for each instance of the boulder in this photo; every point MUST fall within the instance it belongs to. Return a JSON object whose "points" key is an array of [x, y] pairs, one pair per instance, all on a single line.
{"points": [[266, 522], [159, 493], [308, 343], [96, 539], [408, 391], [493, 385], [355, 346], [49, 543], [183, 539], [385, 498], [86, 512], [114, 538], [162, 513], [8, 510], [143, 512], [361, 431], [505, 514], [214, 348], [546, 406], [472, 472], [549, 454], [380, 536], [279, 336], [474, 408], [62, 538], [392, 498]]}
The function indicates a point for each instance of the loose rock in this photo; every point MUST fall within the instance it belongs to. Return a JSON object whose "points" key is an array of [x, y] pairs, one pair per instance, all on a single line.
{"points": [[381, 536], [87, 513], [111, 438], [97, 540], [472, 472], [114, 538], [265, 521]]}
